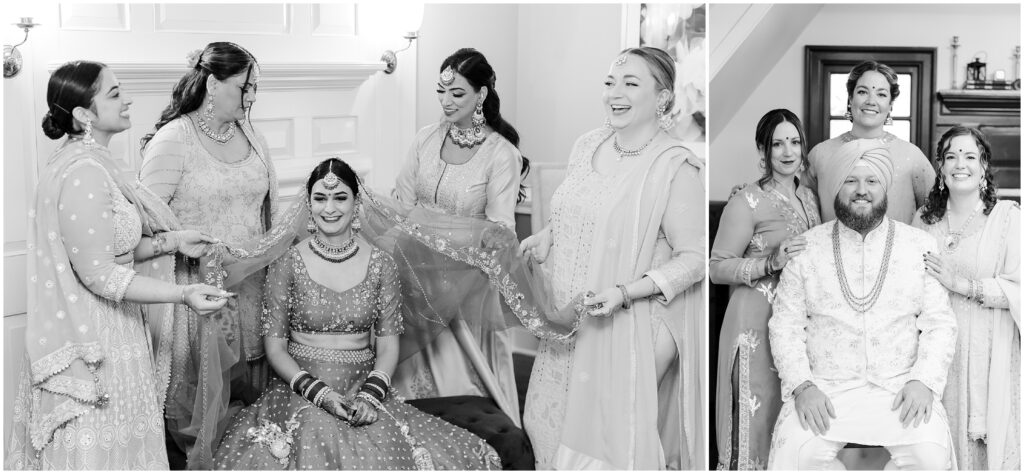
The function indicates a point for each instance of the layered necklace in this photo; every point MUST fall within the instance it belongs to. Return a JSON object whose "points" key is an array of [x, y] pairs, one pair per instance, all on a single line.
{"points": [[953, 238], [467, 138], [334, 253], [220, 138], [627, 153], [862, 304]]}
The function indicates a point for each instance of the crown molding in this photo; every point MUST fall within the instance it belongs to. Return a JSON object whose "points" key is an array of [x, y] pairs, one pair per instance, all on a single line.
{"points": [[160, 78]]}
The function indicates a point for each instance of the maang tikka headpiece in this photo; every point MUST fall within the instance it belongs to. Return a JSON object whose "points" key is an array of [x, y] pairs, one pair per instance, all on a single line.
{"points": [[331, 181], [447, 76], [621, 60]]}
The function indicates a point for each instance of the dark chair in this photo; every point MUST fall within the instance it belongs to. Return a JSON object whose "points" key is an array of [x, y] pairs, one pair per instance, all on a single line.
{"points": [[482, 417]]}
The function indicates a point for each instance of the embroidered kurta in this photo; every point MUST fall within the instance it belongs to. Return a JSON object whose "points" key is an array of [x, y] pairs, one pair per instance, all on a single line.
{"points": [[975, 424], [99, 229], [909, 333], [485, 187], [753, 225], [319, 440], [610, 229], [912, 176]]}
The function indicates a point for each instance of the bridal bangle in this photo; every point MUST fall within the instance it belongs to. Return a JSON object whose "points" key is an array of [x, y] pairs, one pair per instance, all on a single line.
{"points": [[800, 388], [626, 300]]}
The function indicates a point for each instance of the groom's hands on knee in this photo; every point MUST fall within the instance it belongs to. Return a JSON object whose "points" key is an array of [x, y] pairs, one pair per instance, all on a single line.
{"points": [[914, 401], [814, 409]]}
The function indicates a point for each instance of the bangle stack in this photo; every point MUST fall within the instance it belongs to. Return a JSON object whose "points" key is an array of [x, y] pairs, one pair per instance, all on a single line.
{"points": [[800, 388], [183, 288], [157, 243], [975, 291], [626, 300], [309, 387], [376, 387]]}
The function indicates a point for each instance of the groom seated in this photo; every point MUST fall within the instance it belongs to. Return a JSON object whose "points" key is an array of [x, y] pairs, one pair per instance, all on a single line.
{"points": [[862, 336]]}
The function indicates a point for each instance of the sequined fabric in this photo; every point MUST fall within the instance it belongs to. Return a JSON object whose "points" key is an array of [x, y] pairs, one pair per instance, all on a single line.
{"points": [[753, 225], [321, 441]]}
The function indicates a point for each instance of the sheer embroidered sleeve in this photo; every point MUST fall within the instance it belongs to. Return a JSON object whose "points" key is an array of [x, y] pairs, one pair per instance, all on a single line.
{"points": [[86, 216], [727, 265], [280, 301], [389, 300], [405, 183], [787, 328], [922, 175], [163, 161], [503, 185], [683, 226]]}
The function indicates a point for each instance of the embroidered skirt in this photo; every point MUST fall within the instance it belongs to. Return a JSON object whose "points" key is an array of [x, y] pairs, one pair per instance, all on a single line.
{"points": [[257, 438]]}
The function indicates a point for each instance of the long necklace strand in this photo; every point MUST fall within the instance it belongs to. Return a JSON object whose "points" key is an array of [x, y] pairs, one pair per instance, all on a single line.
{"points": [[333, 253], [862, 304], [220, 138], [953, 238]]}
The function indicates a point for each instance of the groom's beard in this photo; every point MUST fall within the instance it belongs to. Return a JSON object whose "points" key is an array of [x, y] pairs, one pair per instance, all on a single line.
{"points": [[863, 220]]}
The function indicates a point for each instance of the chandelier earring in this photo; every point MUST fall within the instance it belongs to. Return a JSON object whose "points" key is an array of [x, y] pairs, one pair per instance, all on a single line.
{"points": [[87, 138], [356, 225], [311, 224], [607, 122], [983, 184], [478, 115], [665, 121], [209, 107], [888, 120], [942, 183]]}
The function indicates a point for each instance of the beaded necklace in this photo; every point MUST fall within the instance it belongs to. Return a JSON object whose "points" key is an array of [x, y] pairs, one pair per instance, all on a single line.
{"points": [[952, 239], [862, 304], [624, 152], [219, 138], [333, 253]]}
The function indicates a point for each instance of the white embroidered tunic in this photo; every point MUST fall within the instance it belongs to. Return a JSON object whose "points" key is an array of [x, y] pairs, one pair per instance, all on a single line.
{"points": [[908, 334]]}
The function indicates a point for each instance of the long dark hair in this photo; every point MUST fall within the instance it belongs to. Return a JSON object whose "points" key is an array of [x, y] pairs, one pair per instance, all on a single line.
{"points": [[472, 65], [935, 205], [340, 169], [222, 60], [74, 84], [763, 137]]}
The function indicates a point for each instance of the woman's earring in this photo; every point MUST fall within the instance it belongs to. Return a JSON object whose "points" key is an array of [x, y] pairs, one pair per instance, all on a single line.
{"points": [[983, 184], [848, 115], [478, 115], [356, 225], [664, 120], [888, 120], [942, 183], [607, 122], [209, 107], [87, 138], [311, 225], [761, 164]]}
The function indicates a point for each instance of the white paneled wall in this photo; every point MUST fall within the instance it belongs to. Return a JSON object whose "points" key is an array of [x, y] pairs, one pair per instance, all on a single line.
{"points": [[321, 94]]}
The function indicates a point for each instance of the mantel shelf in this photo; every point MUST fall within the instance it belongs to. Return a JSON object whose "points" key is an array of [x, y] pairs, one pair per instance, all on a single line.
{"points": [[980, 102]]}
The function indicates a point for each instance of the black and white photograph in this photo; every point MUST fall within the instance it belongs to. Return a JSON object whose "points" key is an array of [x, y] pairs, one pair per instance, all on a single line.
{"points": [[357, 236], [864, 190]]}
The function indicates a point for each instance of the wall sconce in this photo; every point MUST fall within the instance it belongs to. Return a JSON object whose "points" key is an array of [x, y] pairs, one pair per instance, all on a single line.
{"points": [[12, 58], [407, 20]]}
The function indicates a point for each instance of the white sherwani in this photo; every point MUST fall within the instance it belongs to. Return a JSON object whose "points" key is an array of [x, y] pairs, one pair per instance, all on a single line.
{"points": [[909, 333]]}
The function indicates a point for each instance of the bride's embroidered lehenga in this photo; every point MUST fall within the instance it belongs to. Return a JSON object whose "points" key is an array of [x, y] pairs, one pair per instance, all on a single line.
{"points": [[283, 430]]}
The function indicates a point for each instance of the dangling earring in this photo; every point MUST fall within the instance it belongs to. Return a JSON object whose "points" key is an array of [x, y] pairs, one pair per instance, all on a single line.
{"points": [[87, 138], [478, 115], [983, 184], [942, 183], [848, 115], [356, 225], [888, 120], [802, 168], [761, 164], [209, 108], [311, 225], [664, 121], [607, 122]]}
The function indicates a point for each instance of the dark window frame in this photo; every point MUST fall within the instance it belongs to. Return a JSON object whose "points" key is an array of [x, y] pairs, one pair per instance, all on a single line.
{"points": [[822, 61]]}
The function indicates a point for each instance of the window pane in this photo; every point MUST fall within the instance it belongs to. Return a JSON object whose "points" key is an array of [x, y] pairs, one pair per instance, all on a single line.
{"points": [[837, 94], [901, 107], [838, 127], [900, 128]]}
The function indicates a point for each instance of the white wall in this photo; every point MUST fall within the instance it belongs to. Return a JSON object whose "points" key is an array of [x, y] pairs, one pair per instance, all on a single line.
{"points": [[550, 61], [991, 28]]}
